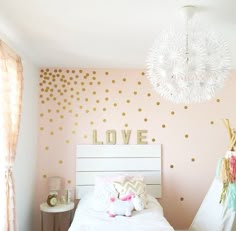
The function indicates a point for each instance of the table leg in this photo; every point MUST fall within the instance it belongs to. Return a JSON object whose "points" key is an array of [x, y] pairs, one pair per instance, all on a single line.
{"points": [[59, 222], [54, 222], [71, 212], [41, 220]]}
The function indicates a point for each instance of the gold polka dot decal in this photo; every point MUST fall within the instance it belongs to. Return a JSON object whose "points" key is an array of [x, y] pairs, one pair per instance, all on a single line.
{"points": [[142, 73], [139, 83], [44, 176], [158, 103], [140, 109], [68, 181], [212, 122], [135, 92], [171, 166], [185, 107], [46, 148], [85, 136], [67, 141], [181, 199], [163, 125], [172, 113], [123, 114], [153, 140], [104, 120], [60, 161], [186, 136], [193, 159], [126, 125], [145, 119], [148, 95], [124, 79], [218, 100], [41, 128], [115, 104], [127, 101], [106, 73]]}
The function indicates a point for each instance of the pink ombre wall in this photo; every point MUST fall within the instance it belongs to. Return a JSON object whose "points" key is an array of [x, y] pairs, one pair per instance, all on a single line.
{"points": [[74, 102]]}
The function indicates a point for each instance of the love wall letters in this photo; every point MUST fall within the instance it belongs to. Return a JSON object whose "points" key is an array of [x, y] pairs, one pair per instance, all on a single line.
{"points": [[111, 136]]}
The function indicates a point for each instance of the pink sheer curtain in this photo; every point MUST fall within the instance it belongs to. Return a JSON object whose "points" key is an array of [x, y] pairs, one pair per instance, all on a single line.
{"points": [[11, 81]]}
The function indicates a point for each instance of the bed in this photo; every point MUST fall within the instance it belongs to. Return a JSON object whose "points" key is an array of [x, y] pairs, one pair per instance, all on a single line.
{"points": [[111, 160]]}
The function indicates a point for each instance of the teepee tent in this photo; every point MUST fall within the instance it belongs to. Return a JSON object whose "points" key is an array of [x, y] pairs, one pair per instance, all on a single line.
{"points": [[218, 209], [213, 216]]}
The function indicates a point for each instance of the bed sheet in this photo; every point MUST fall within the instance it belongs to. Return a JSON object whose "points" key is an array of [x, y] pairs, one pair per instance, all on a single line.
{"points": [[151, 219]]}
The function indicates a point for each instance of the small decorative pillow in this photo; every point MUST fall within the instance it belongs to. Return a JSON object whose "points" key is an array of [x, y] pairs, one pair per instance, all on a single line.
{"points": [[137, 187], [103, 191]]}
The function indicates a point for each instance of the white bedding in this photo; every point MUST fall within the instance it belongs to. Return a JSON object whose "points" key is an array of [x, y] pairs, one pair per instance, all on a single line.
{"points": [[151, 219]]}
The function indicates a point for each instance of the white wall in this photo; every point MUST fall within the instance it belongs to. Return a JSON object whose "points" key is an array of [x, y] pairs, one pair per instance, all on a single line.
{"points": [[25, 165]]}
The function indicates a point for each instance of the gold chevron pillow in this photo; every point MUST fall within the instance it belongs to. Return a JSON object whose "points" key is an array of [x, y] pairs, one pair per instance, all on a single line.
{"points": [[134, 186]]}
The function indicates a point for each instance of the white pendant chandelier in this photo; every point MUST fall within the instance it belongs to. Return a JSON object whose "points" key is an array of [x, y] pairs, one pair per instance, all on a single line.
{"points": [[188, 66]]}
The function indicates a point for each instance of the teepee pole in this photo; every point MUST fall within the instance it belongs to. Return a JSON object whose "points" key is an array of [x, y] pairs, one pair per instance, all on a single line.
{"points": [[231, 133]]}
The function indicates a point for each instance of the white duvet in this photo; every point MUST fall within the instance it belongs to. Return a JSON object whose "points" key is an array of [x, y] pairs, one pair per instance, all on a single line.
{"points": [[151, 219]]}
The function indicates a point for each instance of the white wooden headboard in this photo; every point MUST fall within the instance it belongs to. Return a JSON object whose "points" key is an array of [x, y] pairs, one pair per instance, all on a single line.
{"points": [[93, 160]]}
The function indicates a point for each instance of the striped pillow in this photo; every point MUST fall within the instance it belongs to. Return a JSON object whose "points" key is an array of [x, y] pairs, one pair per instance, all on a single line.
{"points": [[134, 186]]}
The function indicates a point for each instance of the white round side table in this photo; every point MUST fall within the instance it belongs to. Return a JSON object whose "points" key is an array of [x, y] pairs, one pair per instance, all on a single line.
{"points": [[59, 208]]}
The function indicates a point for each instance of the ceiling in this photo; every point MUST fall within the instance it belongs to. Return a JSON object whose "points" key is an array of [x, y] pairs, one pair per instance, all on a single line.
{"points": [[102, 33]]}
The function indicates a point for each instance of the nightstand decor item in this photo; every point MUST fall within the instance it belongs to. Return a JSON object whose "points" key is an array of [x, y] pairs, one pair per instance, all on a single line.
{"points": [[52, 200], [188, 64], [54, 185], [68, 195]]}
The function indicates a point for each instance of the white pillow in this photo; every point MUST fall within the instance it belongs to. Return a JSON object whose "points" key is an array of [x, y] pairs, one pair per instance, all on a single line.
{"points": [[104, 190]]}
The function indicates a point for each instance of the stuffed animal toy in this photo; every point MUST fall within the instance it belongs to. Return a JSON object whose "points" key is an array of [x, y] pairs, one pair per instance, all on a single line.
{"points": [[125, 205], [138, 203], [122, 206]]}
